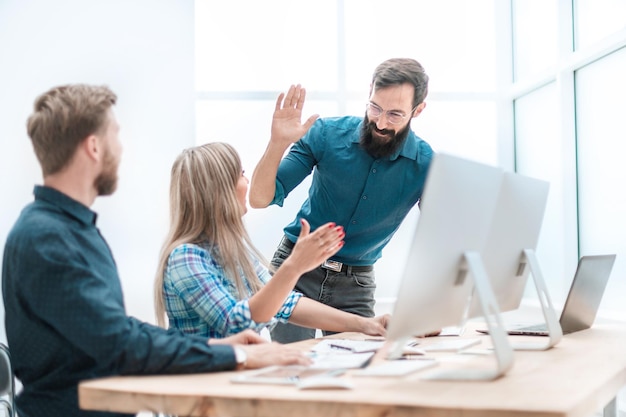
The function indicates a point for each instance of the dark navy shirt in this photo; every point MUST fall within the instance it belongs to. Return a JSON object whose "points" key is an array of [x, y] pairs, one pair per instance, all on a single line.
{"points": [[65, 316], [369, 197]]}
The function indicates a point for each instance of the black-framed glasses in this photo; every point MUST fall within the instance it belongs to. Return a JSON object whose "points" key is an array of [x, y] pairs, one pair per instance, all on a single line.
{"points": [[394, 117]]}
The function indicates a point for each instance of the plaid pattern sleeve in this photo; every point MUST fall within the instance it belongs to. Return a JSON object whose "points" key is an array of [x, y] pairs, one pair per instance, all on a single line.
{"points": [[200, 299], [292, 299]]}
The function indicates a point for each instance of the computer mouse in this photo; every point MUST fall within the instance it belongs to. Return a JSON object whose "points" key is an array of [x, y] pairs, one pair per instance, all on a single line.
{"points": [[325, 382]]}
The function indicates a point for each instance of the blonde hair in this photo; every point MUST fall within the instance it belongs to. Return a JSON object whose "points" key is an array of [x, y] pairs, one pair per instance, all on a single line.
{"points": [[204, 209]]}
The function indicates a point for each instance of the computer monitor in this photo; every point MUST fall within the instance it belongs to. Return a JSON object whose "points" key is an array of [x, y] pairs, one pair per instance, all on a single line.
{"points": [[443, 264], [516, 225], [509, 251]]}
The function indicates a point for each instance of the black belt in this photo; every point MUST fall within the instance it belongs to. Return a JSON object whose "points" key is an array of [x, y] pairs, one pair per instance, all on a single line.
{"points": [[330, 264]]}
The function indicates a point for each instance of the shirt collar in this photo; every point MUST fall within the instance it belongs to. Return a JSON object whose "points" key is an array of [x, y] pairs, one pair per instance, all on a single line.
{"points": [[410, 148], [65, 203]]}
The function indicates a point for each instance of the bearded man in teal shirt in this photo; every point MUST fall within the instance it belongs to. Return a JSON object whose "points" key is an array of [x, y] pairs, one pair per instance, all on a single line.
{"points": [[367, 175]]}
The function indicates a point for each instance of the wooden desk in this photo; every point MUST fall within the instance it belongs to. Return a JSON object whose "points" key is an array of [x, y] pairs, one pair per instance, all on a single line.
{"points": [[577, 378]]}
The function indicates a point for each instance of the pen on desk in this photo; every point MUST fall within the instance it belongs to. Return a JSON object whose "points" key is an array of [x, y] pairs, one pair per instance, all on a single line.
{"points": [[414, 357], [340, 347], [367, 362]]}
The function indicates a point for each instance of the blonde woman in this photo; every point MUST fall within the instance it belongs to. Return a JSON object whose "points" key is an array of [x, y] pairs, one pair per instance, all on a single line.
{"points": [[212, 281]]}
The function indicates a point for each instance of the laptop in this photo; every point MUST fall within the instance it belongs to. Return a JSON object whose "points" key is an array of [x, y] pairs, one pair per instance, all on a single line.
{"points": [[583, 299]]}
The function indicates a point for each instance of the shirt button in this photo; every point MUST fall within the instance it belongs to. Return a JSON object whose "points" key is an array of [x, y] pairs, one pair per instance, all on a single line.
{"points": [[374, 171], [364, 197], [353, 221]]}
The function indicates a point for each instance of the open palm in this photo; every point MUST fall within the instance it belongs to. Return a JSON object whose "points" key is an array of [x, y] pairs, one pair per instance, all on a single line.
{"points": [[287, 126]]}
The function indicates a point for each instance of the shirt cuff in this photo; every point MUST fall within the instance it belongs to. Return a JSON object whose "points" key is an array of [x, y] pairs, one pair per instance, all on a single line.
{"points": [[286, 310]]}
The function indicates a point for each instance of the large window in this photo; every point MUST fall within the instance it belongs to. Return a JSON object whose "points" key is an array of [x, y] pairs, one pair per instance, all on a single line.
{"points": [[570, 61], [530, 85], [539, 154], [249, 51], [535, 37], [601, 139], [597, 20], [253, 46]]}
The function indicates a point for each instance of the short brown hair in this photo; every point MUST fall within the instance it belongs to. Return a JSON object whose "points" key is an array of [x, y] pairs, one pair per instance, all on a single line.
{"points": [[397, 71], [62, 118]]}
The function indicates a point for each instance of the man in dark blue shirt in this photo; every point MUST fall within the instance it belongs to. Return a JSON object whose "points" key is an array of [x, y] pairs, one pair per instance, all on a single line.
{"points": [[65, 315]]}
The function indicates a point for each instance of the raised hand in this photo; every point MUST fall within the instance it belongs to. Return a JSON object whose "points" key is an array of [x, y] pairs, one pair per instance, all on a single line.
{"points": [[287, 127]]}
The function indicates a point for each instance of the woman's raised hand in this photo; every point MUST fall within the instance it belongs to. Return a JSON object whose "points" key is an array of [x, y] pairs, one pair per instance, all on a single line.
{"points": [[313, 248]]}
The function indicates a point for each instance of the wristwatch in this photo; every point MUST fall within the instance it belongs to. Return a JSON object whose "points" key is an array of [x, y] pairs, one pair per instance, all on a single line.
{"points": [[241, 357]]}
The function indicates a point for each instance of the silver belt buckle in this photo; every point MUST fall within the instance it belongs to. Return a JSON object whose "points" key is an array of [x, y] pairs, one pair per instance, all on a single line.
{"points": [[332, 265]]}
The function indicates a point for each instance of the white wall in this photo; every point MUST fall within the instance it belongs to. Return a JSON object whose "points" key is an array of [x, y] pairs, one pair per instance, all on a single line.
{"points": [[143, 50]]}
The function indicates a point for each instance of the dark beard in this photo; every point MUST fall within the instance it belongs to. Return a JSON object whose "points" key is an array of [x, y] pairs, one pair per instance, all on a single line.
{"points": [[106, 182], [376, 148]]}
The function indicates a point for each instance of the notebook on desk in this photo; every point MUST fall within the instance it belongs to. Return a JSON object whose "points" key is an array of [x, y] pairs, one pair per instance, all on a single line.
{"points": [[583, 299], [330, 358]]}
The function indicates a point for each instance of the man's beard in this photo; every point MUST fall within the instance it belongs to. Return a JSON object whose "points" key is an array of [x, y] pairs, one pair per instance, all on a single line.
{"points": [[378, 148], [106, 181]]}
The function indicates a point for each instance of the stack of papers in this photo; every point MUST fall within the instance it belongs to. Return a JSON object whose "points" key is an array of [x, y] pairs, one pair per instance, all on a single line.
{"points": [[342, 354], [362, 346], [354, 346], [331, 357], [281, 375]]}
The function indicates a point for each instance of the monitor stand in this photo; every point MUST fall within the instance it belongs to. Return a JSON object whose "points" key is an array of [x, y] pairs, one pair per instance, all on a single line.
{"points": [[555, 333], [502, 350]]}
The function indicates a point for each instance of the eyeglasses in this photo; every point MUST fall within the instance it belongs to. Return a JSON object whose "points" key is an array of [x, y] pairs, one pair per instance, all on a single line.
{"points": [[393, 117]]}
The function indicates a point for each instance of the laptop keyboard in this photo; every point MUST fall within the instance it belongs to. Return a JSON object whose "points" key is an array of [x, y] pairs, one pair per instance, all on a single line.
{"points": [[541, 327]]}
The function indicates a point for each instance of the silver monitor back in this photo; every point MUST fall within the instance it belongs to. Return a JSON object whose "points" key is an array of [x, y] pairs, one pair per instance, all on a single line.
{"points": [[586, 291], [456, 212], [516, 226]]}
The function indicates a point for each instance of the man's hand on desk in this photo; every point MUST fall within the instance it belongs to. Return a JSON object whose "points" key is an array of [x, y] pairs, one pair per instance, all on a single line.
{"points": [[247, 337], [260, 353], [267, 354]]}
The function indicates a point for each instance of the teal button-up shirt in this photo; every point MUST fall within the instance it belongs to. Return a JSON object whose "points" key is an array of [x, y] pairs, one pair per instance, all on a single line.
{"points": [[368, 197]]}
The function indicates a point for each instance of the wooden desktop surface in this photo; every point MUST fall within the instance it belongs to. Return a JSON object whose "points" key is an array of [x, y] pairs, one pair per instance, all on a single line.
{"points": [[576, 378]]}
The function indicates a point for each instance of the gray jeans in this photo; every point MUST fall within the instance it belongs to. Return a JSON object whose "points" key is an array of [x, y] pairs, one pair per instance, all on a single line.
{"points": [[348, 291]]}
